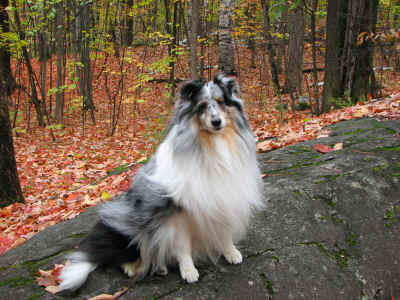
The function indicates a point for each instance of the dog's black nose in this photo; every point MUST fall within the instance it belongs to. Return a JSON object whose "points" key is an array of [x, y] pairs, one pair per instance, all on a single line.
{"points": [[216, 123]]}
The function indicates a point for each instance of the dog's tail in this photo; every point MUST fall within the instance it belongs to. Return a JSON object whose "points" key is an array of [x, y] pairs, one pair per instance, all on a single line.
{"points": [[74, 274], [103, 245]]}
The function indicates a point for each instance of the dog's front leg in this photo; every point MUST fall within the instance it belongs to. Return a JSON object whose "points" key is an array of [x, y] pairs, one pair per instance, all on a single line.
{"points": [[231, 253], [184, 257]]}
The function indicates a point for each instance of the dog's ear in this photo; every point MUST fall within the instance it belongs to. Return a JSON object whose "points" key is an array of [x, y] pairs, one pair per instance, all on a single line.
{"points": [[228, 83], [190, 89]]}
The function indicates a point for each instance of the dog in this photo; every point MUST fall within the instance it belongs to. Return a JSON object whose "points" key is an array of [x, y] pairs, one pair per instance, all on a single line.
{"points": [[193, 200]]}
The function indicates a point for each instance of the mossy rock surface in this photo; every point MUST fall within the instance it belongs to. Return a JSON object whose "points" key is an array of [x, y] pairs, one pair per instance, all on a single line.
{"points": [[331, 230]]}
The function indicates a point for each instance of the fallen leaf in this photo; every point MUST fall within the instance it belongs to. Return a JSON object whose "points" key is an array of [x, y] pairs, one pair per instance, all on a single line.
{"points": [[338, 146], [103, 297], [119, 293], [322, 148], [52, 289], [108, 296], [360, 112]]}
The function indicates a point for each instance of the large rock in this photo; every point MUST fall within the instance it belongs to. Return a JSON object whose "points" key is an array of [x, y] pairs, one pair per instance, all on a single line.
{"points": [[331, 230]]}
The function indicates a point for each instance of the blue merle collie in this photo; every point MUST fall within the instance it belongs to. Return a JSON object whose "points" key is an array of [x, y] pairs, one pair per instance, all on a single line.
{"points": [[192, 200]]}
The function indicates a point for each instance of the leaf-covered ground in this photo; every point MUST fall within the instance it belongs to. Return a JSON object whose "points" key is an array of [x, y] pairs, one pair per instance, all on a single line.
{"points": [[83, 165]]}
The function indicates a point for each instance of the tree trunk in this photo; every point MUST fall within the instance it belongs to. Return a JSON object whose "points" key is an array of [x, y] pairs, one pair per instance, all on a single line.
{"points": [[193, 21], [5, 56], [171, 30], [364, 79], [59, 110], [349, 55], [294, 62], [31, 75], [226, 54], [85, 74], [269, 46], [128, 29], [10, 189], [335, 36]]}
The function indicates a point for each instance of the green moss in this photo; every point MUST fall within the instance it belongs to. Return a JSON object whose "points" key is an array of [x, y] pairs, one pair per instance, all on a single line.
{"points": [[326, 200], [268, 283], [296, 193], [296, 150], [16, 282], [387, 148], [356, 140], [340, 255], [301, 164], [380, 125], [329, 178], [357, 131], [276, 258], [77, 235], [37, 295], [353, 240], [379, 168], [391, 214]]}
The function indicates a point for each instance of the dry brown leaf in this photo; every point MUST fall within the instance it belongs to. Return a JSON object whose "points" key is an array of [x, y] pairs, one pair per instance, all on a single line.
{"points": [[52, 289], [108, 296]]}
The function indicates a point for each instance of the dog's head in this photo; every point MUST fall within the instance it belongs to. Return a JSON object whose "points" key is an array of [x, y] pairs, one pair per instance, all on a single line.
{"points": [[213, 104]]}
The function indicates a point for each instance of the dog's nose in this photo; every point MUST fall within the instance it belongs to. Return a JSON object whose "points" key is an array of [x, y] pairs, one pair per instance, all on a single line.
{"points": [[216, 123]]}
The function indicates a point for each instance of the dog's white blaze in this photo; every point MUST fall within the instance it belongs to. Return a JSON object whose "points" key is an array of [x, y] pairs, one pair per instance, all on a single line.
{"points": [[219, 190]]}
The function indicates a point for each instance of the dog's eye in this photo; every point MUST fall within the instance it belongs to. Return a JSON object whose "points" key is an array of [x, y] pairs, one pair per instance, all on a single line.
{"points": [[202, 107], [220, 100]]}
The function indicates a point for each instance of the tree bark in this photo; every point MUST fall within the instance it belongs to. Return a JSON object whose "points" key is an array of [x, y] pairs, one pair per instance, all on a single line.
{"points": [[294, 61], [226, 54], [349, 56], [10, 189], [128, 24], [193, 21], [335, 35], [269, 46], [364, 79], [25, 54], [59, 110], [5, 56]]}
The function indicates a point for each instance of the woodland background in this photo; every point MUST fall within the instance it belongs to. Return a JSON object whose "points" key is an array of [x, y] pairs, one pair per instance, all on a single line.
{"points": [[87, 87]]}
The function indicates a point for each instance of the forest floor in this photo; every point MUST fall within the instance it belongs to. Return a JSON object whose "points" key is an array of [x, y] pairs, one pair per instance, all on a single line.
{"points": [[64, 169]]}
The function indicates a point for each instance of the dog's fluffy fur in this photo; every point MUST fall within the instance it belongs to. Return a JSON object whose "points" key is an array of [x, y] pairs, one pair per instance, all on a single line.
{"points": [[192, 200]]}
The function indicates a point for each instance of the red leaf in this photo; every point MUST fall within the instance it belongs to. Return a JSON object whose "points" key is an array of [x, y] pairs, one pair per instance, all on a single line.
{"points": [[322, 148]]}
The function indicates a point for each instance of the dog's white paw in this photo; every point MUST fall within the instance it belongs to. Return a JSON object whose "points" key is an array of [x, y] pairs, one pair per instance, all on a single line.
{"points": [[234, 256], [129, 268], [190, 274], [162, 271]]}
